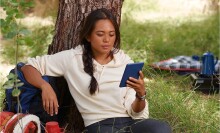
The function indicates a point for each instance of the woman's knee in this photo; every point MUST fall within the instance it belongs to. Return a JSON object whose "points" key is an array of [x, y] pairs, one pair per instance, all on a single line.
{"points": [[164, 127], [151, 126]]}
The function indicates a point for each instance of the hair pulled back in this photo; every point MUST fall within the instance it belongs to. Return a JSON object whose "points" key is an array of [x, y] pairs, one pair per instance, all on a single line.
{"points": [[87, 28]]}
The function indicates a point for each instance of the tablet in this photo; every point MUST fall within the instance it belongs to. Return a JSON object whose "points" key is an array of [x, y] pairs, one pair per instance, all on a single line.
{"points": [[131, 70]]}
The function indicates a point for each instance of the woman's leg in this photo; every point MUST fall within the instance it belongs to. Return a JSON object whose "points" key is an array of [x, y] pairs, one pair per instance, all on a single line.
{"points": [[150, 126], [100, 129], [111, 125], [128, 125]]}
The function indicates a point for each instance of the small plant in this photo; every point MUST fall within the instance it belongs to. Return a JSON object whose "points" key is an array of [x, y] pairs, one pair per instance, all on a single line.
{"points": [[14, 82], [10, 28], [14, 10]]}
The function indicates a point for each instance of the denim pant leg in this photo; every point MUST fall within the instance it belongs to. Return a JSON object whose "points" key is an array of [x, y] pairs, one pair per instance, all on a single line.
{"points": [[150, 126], [111, 125], [128, 125]]}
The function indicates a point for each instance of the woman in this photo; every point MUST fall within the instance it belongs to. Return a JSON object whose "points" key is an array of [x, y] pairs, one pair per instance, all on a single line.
{"points": [[93, 71]]}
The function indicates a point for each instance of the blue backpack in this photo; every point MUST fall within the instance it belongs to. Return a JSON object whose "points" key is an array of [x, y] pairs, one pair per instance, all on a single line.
{"points": [[28, 92], [30, 97], [31, 100]]}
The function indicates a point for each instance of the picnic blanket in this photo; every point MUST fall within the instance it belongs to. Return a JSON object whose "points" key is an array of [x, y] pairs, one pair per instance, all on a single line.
{"points": [[182, 64]]}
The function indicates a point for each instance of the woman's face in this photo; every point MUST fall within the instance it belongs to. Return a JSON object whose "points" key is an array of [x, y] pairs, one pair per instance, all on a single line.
{"points": [[102, 38]]}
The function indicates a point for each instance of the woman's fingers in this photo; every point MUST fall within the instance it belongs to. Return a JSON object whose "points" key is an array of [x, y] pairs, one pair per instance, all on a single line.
{"points": [[132, 82], [51, 107], [141, 74], [137, 84], [50, 102], [47, 106], [56, 107]]}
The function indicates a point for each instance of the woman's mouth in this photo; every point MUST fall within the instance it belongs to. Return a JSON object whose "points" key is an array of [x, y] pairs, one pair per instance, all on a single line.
{"points": [[105, 46]]}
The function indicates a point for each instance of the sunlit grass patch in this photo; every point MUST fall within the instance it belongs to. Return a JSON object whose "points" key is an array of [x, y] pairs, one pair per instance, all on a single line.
{"points": [[186, 111], [163, 40], [167, 10]]}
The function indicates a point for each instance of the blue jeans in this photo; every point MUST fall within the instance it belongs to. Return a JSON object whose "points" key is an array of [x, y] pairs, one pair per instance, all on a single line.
{"points": [[128, 125]]}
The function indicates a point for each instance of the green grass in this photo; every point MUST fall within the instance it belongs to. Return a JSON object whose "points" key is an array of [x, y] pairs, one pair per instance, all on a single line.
{"points": [[171, 97], [187, 111], [163, 40]]}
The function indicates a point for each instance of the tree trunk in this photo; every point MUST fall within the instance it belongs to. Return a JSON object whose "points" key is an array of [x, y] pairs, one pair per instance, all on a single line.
{"points": [[70, 15]]}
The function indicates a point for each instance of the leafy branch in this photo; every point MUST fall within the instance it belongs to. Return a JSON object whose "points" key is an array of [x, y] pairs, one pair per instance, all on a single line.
{"points": [[10, 28]]}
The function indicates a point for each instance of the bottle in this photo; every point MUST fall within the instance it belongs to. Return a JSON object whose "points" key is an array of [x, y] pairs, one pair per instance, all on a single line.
{"points": [[53, 127]]}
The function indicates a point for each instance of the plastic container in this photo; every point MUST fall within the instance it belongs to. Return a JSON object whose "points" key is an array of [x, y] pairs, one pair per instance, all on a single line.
{"points": [[53, 127]]}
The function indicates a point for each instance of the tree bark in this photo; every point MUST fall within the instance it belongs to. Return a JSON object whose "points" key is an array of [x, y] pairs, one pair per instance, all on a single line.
{"points": [[71, 14]]}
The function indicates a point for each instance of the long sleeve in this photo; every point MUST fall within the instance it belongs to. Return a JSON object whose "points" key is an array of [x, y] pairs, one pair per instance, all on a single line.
{"points": [[52, 65], [129, 98]]}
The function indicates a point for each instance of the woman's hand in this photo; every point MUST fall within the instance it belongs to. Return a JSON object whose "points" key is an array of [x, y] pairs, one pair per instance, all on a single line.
{"points": [[49, 99], [137, 84]]}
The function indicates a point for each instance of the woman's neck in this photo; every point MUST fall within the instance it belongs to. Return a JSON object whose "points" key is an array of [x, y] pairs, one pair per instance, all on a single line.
{"points": [[104, 59]]}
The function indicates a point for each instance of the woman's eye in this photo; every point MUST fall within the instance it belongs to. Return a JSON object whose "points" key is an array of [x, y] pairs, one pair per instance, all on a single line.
{"points": [[99, 34], [112, 34]]}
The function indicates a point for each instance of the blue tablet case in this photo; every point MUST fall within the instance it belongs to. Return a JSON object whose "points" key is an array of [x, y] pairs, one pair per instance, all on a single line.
{"points": [[131, 70]]}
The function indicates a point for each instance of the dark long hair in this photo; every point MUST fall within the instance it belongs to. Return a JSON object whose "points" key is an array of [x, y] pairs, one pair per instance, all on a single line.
{"points": [[87, 28]]}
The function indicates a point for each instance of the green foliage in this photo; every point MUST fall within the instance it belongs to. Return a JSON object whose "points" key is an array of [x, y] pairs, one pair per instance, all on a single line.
{"points": [[189, 38], [14, 9], [31, 45], [162, 40], [135, 41], [12, 82], [2, 94], [131, 7], [171, 97], [11, 30], [31, 42]]}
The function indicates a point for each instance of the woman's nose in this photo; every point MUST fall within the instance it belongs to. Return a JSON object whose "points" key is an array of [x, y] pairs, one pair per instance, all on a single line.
{"points": [[106, 38]]}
